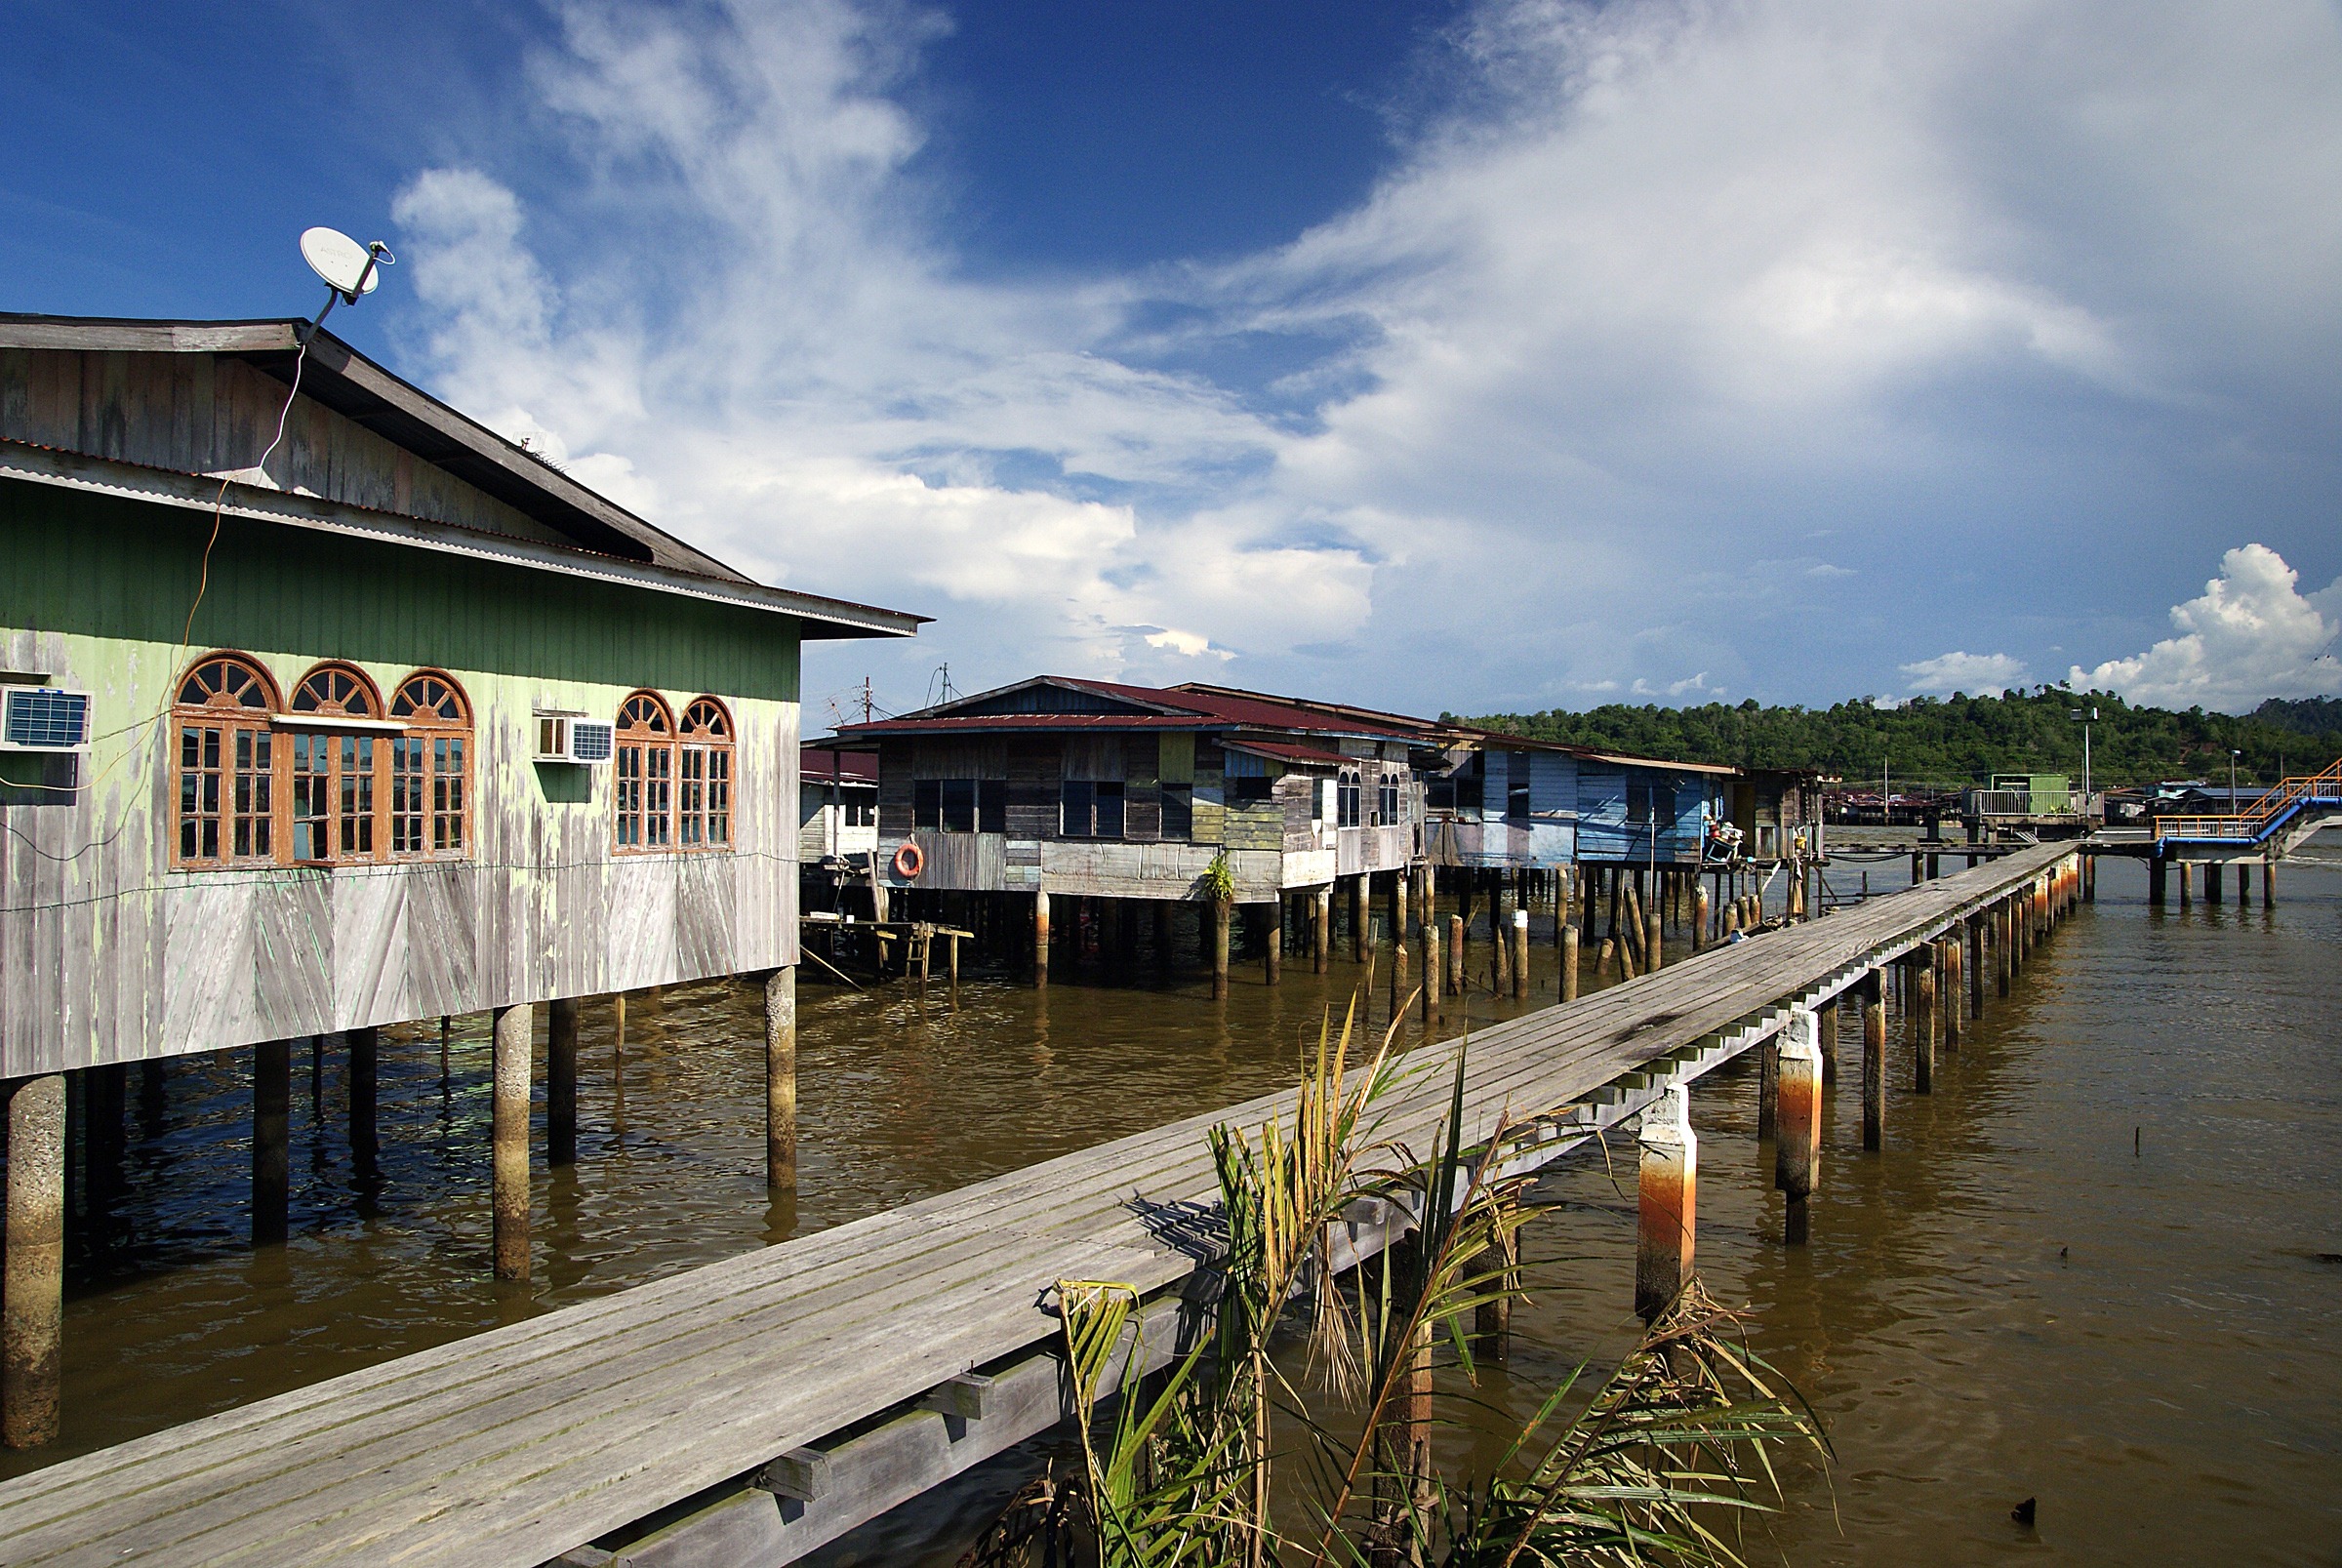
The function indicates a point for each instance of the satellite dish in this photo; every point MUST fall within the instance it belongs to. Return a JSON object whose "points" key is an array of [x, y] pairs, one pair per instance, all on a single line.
{"points": [[349, 267]]}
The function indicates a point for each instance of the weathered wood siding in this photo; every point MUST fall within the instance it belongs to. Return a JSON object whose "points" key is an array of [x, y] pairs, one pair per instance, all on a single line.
{"points": [[108, 955], [209, 414]]}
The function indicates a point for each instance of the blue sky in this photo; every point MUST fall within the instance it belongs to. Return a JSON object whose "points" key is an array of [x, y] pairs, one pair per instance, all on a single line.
{"points": [[1476, 355]]}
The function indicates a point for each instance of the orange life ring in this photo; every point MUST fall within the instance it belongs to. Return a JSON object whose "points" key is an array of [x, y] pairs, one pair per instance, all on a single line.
{"points": [[908, 862]]}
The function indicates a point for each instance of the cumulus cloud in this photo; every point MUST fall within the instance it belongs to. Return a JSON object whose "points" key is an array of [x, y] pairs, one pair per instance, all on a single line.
{"points": [[1651, 289], [2251, 634], [1978, 674]]}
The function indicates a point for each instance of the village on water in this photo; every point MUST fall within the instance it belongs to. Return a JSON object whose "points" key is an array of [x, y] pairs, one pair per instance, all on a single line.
{"points": [[1397, 1012]]}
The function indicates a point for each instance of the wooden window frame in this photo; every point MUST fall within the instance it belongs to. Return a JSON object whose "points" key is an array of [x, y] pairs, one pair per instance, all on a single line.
{"points": [[706, 816], [432, 758], [642, 774], [335, 778], [225, 727]]}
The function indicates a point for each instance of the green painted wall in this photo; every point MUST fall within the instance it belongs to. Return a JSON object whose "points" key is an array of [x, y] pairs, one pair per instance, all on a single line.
{"points": [[102, 567]]}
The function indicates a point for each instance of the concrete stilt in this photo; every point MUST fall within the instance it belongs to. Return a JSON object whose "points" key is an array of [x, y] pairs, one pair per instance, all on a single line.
{"points": [[271, 1119], [1798, 1139], [2244, 883], [780, 1080], [516, 1031], [1666, 1202], [1041, 942], [33, 1282], [562, 1081], [2211, 882], [1874, 1061], [2158, 875]]}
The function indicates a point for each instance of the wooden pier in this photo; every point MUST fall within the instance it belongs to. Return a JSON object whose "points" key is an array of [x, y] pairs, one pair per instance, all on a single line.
{"points": [[754, 1408]]}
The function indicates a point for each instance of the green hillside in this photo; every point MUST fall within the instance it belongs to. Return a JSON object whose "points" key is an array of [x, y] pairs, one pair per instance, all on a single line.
{"points": [[1962, 738]]}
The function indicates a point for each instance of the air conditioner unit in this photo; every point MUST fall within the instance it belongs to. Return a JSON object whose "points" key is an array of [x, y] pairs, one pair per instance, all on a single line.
{"points": [[43, 718], [569, 737]]}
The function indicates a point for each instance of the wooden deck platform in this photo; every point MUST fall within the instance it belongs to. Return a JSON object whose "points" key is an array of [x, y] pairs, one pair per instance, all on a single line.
{"points": [[520, 1444]]}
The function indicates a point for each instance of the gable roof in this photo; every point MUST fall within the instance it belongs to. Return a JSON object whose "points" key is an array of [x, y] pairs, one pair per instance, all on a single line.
{"points": [[566, 526], [1058, 702]]}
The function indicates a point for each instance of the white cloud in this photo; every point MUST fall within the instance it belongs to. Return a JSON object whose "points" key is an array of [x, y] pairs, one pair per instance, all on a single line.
{"points": [[2252, 634], [1667, 284], [1977, 674]]}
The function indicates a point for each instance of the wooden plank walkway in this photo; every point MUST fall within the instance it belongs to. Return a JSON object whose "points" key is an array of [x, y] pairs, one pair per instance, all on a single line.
{"points": [[518, 1444]]}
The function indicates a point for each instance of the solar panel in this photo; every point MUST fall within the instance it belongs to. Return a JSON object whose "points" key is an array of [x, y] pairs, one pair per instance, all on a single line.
{"points": [[44, 718], [589, 741]]}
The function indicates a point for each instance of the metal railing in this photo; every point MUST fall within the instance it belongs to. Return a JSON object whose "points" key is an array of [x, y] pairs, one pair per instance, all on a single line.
{"points": [[2274, 809]]}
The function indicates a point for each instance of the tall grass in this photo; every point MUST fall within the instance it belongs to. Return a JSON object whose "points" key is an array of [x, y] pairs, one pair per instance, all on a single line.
{"points": [[1651, 1464]]}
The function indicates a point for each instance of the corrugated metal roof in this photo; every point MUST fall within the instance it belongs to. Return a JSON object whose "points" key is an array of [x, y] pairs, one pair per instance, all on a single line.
{"points": [[1285, 751]]}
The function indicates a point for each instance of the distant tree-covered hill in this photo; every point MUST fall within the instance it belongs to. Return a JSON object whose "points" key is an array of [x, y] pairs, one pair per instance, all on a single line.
{"points": [[1960, 740]]}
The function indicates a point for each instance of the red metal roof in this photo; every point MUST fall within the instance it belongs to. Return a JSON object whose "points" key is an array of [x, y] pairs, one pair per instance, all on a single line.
{"points": [[824, 764], [1286, 751]]}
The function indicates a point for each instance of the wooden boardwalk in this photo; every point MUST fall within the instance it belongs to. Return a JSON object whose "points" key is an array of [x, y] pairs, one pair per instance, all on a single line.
{"points": [[517, 1445]]}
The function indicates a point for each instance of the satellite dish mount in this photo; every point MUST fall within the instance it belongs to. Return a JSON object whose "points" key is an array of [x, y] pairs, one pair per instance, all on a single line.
{"points": [[350, 270]]}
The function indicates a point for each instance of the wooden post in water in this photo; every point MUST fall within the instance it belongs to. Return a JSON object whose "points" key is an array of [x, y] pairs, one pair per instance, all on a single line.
{"points": [[1500, 938], [515, 1029], [1272, 954], [2090, 879], [1041, 942], [1492, 1321], [1768, 1086], [1360, 921], [1431, 968], [562, 1081], [1322, 927], [1950, 947], [2211, 881], [33, 1282], [1924, 1022], [1665, 1202], [1917, 860], [1973, 931], [2184, 869], [271, 1119], [781, 1075], [1455, 956], [1874, 1061], [1828, 1016], [1398, 906], [365, 1137], [1654, 942], [2158, 872], [1797, 1139], [1698, 915], [2268, 883], [1521, 954], [1217, 920], [1570, 939]]}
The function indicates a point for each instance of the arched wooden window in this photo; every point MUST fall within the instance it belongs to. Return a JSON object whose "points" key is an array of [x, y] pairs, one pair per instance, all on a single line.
{"points": [[335, 776], [646, 774], [431, 768], [703, 805], [223, 763]]}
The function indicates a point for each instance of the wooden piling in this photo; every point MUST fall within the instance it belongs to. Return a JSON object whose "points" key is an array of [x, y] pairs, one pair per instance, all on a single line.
{"points": [[1399, 908], [1322, 928], [1570, 939], [1360, 921], [1500, 941], [1873, 1059], [1953, 987], [1040, 945], [1972, 931], [562, 1081], [781, 1077], [2185, 900], [1492, 1319], [271, 1127], [2003, 946], [1432, 972], [1654, 942], [1273, 948], [1218, 920], [365, 1135], [32, 1279], [515, 1029], [1666, 1202], [1829, 1039], [1768, 1087], [1797, 1135], [1924, 1024], [1455, 956], [2211, 882], [1699, 916], [2269, 884]]}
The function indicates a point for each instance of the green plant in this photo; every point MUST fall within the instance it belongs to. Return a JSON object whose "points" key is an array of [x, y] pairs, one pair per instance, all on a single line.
{"points": [[1218, 882], [1182, 1472]]}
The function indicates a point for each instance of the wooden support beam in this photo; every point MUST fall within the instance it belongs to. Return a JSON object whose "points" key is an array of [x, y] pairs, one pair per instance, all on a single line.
{"points": [[1768, 1088], [1923, 1024], [33, 1282], [1829, 1039], [1218, 918], [1953, 988], [1361, 923], [1699, 916], [515, 1029], [1570, 939], [1500, 938], [1520, 955], [1666, 1202], [1798, 1139], [1322, 928], [781, 1075], [1273, 951], [365, 1078], [1432, 972], [562, 1081], [1972, 933], [271, 1130], [1873, 1059]]}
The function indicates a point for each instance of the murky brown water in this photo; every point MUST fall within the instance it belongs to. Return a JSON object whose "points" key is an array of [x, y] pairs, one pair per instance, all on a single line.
{"points": [[2169, 1386]]}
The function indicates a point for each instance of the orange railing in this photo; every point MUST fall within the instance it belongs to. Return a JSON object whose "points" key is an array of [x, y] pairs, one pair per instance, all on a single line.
{"points": [[2274, 807]]}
